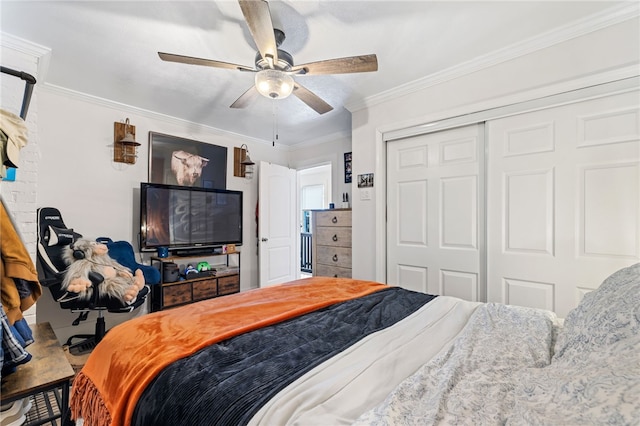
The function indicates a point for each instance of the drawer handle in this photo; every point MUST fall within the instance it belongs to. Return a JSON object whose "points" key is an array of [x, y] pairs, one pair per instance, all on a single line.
{"points": [[335, 257], [335, 275], [334, 220], [335, 237]]}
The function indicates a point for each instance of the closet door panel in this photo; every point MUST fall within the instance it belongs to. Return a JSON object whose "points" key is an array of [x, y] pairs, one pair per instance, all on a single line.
{"points": [[563, 200], [433, 213]]}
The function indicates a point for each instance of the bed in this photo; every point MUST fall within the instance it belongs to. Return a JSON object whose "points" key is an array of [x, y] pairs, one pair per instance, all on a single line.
{"points": [[332, 351]]}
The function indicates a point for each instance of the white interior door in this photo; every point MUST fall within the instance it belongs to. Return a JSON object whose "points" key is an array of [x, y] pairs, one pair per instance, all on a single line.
{"points": [[435, 211], [563, 200], [277, 227]]}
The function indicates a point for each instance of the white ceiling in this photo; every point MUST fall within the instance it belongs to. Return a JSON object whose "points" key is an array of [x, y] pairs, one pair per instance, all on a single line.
{"points": [[108, 49]]}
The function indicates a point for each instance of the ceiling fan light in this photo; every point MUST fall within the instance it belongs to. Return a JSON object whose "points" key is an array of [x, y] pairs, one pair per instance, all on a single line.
{"points": [[274, 84]]}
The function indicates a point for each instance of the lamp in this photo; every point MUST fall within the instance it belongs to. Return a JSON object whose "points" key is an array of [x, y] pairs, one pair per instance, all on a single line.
{"points": [[242, 163], [124, 143], [274, 84]]}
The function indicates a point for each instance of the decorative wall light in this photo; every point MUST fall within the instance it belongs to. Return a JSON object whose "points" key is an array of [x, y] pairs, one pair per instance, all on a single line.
{"points": [[125, 147], [242, 163]]}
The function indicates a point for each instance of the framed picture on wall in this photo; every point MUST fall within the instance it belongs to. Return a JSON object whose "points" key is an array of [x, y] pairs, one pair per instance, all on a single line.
{"points": [[347, 167], [179, 161], [365, 180]]}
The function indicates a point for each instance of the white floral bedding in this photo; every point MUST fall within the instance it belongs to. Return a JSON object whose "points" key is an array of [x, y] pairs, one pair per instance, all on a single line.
{"points": [[506, 367]]}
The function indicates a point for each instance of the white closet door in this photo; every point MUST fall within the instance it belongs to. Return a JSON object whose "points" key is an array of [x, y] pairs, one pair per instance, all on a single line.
{"points": [[563, 203], [434, 211]]}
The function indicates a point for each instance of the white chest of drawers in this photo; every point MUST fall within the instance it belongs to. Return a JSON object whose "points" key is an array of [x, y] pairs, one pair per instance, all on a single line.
{"points": [[331, 243]]}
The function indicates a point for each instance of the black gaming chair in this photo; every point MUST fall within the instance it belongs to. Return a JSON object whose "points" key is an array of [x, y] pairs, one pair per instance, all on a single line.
{"points": [[53, 238]]}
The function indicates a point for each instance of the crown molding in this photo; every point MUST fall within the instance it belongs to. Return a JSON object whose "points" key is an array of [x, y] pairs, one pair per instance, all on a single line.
{"points": [[107, 103], [609, 17], [22, 45], [619, 80], [40, 54]]}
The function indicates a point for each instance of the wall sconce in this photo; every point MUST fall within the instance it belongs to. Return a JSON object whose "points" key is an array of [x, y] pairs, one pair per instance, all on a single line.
{"points": [[125, 146], [242, 164]]}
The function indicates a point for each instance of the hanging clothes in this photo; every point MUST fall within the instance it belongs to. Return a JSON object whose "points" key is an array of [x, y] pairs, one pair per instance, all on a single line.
{"points": [[19, 283], [12, 351], [13, 137], [20, 289]]}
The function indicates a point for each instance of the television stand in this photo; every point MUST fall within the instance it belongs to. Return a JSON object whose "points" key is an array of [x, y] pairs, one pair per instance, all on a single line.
{"points": [[223, 278]]}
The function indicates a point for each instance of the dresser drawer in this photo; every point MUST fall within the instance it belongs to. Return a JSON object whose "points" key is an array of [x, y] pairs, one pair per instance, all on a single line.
{"points": [[334, 256], [228, 285], [333, 218], [176, 294], [333, 236], [331, 271], [205, 289]]}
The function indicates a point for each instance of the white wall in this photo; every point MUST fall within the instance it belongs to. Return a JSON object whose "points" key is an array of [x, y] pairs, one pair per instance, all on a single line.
{"points": [[539, 73]]}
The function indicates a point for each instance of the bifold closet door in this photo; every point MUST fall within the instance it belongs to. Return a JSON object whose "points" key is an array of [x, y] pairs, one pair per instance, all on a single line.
{"points": [[563, 207], [434, 212]]}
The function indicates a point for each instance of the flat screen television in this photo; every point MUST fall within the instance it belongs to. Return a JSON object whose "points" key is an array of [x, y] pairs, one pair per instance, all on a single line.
{"points": [[185, 218]]}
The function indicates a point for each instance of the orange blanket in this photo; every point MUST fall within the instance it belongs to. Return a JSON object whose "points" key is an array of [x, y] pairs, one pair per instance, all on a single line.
{"points": [[107, 389]]}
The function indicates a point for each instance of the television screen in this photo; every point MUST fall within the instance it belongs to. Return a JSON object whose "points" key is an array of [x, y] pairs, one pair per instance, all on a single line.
{"points": [[180, 217]]}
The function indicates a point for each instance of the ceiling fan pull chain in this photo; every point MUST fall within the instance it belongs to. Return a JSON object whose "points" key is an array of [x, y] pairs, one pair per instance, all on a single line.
{"points": [[273, 130], [274, 136]]}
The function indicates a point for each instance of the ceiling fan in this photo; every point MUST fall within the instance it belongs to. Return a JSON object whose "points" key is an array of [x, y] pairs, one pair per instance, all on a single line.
{"points": [[274, 67]]}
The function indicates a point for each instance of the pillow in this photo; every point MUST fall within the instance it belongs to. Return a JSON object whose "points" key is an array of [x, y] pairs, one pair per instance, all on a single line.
{"points": [[60, 236], [604, 316]]}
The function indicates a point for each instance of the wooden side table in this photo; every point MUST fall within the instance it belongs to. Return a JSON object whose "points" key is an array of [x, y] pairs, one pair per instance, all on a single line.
{"points": [[48, 370]]}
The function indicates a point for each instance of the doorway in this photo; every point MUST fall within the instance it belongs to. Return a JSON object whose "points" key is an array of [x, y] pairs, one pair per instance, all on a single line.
{"points": [[314, 190]]}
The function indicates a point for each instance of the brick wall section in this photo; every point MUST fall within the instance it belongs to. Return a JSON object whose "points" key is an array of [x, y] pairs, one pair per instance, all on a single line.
{"points": [[20, 196]]}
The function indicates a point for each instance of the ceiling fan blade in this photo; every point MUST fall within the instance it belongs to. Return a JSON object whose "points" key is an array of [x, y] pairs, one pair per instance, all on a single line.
{"points": [[364, 63], [170, 57], [311, 99], [258, 17], [246, 98]]}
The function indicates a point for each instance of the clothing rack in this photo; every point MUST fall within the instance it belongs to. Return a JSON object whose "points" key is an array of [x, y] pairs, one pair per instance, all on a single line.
{"points": [[30, 81]]}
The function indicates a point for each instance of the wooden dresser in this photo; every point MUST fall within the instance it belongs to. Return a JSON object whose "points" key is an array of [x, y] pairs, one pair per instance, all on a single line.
{"points": [[331, 243]]}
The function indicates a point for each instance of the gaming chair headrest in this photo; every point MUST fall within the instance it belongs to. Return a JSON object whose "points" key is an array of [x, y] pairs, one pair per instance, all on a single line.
{"points": [[51, 228], [53, 237]]}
